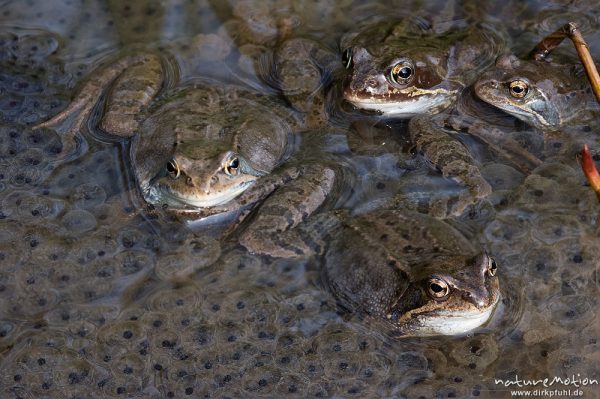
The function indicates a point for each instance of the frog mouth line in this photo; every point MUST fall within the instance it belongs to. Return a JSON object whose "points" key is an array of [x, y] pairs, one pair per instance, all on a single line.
{"points": [[518, 113], [456, 322], [405, 106], [163, 194]]}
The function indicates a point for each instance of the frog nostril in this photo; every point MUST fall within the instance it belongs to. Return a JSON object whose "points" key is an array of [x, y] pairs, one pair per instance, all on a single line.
{"points": [[372, 83], [477, 299], [189, 181]]}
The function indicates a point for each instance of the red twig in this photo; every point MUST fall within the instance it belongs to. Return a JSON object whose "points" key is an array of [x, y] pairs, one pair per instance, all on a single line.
{"points": [[590, 171]]}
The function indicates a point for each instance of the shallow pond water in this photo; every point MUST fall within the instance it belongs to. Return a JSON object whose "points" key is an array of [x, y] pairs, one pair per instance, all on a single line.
{"points": [[101, 298]]}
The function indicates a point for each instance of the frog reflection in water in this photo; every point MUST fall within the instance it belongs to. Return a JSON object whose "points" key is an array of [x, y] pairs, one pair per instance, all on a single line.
{"points": [[205, 149], [400, 70], [413, 272]]}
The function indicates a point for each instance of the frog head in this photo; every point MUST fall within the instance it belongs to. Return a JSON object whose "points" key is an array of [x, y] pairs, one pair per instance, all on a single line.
{"points": [[191, 157], [541, 94], [400, 70], [449, 295]]}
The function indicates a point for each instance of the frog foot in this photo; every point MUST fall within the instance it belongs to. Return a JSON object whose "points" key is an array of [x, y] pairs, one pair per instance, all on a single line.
{"points": [[137, 79], [286, 244], [271, 230], [441, 205], [452, 159], [476, 187]]}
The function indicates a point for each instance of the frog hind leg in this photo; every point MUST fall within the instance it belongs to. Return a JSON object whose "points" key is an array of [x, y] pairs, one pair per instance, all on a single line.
{"points": [[451, 157], [126, 72], [304, 70], [271, 231], [132, 92], [508, 148]]}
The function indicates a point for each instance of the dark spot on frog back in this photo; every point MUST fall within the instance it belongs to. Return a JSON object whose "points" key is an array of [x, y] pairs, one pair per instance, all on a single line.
{"points": [[410, 249]]}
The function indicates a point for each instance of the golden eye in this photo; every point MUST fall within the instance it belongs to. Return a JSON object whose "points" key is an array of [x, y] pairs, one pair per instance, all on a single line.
{"points": [[402, 72], [173, 169], [438, 288], [518, 88], [347, 58], [232, 166], [492, 267]]}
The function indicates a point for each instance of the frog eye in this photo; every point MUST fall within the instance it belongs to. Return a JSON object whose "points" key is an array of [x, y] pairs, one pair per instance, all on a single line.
{"points": [[402, 72], [173, 169], [232, 166], [492, 267], [518, 88], [438, 288], [347, 58]]}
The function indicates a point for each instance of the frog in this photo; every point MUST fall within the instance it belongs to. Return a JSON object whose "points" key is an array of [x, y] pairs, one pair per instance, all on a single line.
{"points": [[430, 83], [276, 48], [545, 95], [415, 274], [408, 67], [411, 69], [204, 148], [552, 96]]}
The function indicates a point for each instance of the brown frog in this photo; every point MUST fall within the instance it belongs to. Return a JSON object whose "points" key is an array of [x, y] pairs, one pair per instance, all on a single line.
{"points": [[552, 96], [413, 272], [542, 94], [303, 69], [411, 69], [205, 148], [402, 68]]}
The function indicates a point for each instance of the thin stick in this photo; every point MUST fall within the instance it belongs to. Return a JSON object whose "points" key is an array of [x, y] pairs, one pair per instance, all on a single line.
{"points": [[570, 30], [541, 51]]}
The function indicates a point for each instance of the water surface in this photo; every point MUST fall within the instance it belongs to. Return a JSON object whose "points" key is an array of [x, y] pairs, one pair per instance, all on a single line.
{"points": [[88, 305]]}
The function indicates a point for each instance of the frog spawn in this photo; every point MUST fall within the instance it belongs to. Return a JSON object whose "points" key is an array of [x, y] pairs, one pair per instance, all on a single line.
{"points": [[122, 356], [432, 372], [196, 338], [548, 215], [31, 76], [30, 154]]}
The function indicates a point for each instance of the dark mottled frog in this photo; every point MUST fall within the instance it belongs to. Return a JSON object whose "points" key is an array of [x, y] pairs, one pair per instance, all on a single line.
{"points": [[402, 69], [409, 270], [408, 67], [205, 149]]}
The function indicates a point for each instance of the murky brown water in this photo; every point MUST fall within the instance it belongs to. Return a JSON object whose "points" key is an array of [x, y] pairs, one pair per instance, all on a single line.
{"points": [[88, 305]]}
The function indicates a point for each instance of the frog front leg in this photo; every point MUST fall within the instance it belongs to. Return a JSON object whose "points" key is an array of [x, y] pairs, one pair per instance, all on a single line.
{"points": [[136, 80], [452, 158], [270, 231]]}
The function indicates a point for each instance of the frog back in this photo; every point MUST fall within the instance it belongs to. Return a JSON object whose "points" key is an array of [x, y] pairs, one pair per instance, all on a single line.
{"points": [[203, 120], [454, 51], [372, 259]]}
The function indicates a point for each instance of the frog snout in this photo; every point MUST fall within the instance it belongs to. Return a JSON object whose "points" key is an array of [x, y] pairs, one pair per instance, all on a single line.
{"points": [[209, 184], [367, 81], [479, 298], [202, 184]]}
